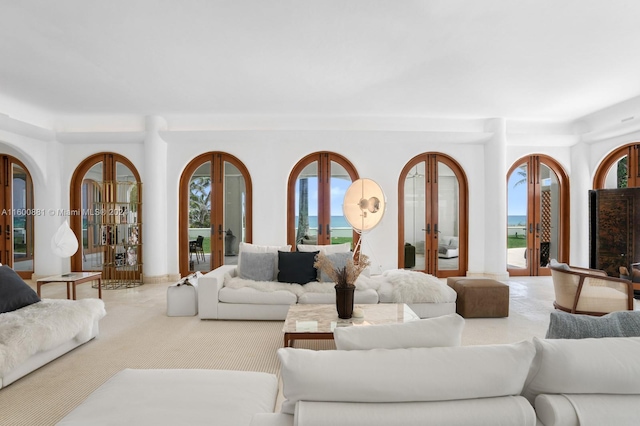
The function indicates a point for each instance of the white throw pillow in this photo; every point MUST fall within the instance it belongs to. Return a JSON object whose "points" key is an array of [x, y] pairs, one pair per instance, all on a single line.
{"points": [[445, 330], [254, 248], [326, 249], [607, 365], [404, 375]]}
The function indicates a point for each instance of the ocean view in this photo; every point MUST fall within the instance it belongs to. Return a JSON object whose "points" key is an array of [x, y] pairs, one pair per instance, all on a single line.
{"points": [[336, 222], [517, 220], [341, 222]]}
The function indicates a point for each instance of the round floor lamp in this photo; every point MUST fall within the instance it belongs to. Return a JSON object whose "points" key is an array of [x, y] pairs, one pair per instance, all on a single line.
{"points": [[363, 206]]}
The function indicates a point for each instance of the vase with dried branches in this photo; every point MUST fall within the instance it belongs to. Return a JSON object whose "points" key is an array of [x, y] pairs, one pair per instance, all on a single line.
{"points": [[345, 279]]}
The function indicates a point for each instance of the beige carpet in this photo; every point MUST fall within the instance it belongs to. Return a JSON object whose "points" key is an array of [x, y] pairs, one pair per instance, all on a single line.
{"points": [[136, 333]]}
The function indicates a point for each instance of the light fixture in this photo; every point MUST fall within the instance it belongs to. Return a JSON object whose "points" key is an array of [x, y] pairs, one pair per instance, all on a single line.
{"points": [[364, 206], [64, 242]]}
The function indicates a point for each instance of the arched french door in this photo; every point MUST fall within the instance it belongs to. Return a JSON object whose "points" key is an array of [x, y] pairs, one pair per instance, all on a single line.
{"points": [[215, 212], [537, 215], [433, 216], [620, 169], [314, 200], [16, 220], [107, 192]]}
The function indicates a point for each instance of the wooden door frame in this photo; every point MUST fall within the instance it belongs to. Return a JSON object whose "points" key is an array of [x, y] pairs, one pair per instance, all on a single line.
{"points": [[6, 201], [632, 151], [324, 159], [431, 160], [533, 162], [108, 160], [217, 209]]}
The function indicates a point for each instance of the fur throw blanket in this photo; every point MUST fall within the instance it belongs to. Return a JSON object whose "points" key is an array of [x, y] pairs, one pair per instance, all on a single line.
{"points": [[418, 287], [297, 289], [408, 286], [45, 325]]}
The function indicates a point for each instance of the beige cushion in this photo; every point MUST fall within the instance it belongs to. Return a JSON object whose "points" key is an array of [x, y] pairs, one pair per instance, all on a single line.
{"points": [[425, 333], [607, 365], [326, 249], [404, 375], [248, 295], [177, 397]]}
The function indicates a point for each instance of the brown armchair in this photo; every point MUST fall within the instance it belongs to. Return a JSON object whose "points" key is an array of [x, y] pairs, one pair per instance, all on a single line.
{"points": [[589, 291]]}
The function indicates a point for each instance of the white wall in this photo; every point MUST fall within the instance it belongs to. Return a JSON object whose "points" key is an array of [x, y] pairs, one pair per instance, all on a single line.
{"points": [[269, 155]]}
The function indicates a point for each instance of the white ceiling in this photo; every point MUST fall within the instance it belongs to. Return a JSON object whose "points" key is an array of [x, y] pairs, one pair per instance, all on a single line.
{"points": [[545, 60]]}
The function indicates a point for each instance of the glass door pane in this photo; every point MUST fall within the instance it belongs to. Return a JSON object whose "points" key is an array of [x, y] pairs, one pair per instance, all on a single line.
{"points": [[448, 218], [306, 205], [200, 218], [22, 222], [341, 231], [547, 232], [91, 244], [617, 175], [235, 208], [414, 218], [517, 207]]}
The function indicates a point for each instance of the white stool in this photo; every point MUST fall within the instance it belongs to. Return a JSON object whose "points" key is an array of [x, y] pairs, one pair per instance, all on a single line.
{"points": [[182, 299]]}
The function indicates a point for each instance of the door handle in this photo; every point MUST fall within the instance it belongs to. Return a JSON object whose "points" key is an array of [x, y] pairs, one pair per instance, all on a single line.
{"points": [[428, 228], [328, 229], [8, 232], [319, 229], [531, 228], [538, 228]]}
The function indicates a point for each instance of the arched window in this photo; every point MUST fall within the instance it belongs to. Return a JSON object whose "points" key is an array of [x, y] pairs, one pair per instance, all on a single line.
{"points": [[107, 192], [537, 215], [433, 216], [620, 169], [215, 212], [16, 202], [314, 200]]}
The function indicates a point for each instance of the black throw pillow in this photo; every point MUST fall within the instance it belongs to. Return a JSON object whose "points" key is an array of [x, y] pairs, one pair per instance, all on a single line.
{"points": [[297, 267], [14, 292]]}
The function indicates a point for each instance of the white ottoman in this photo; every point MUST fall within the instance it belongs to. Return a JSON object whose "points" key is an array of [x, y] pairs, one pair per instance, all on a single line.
{"points": [[177, 397], [182, 299]]}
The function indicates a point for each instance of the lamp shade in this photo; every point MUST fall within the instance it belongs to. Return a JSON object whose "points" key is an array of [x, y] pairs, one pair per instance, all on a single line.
{"points": [[64, 242], [364, 204]]}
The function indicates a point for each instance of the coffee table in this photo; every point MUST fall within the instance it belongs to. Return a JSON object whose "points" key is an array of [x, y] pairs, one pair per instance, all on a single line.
{"points": [[72, 279], [317, 322]]}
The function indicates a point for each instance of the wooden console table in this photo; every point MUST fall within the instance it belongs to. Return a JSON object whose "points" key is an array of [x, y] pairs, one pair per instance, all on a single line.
{"points": [[73, 279]]}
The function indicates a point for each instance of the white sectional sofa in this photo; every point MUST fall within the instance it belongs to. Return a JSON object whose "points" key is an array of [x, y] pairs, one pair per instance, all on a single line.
{"points": [[541, 382], [219, 301], [269, 279]]}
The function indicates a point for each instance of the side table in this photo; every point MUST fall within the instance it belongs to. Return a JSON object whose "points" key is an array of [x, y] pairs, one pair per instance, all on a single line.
{"points": [[72, 279]]}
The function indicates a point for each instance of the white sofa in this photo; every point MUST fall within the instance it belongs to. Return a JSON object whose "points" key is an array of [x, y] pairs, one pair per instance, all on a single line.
{"points": [[217, 301], [540, 382], [36, 334]]}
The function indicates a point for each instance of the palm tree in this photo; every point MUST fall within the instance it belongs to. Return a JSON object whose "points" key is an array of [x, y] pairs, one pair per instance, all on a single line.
{"points": [[303, 210], [522, 171], [200, 202], [622, 173]]}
